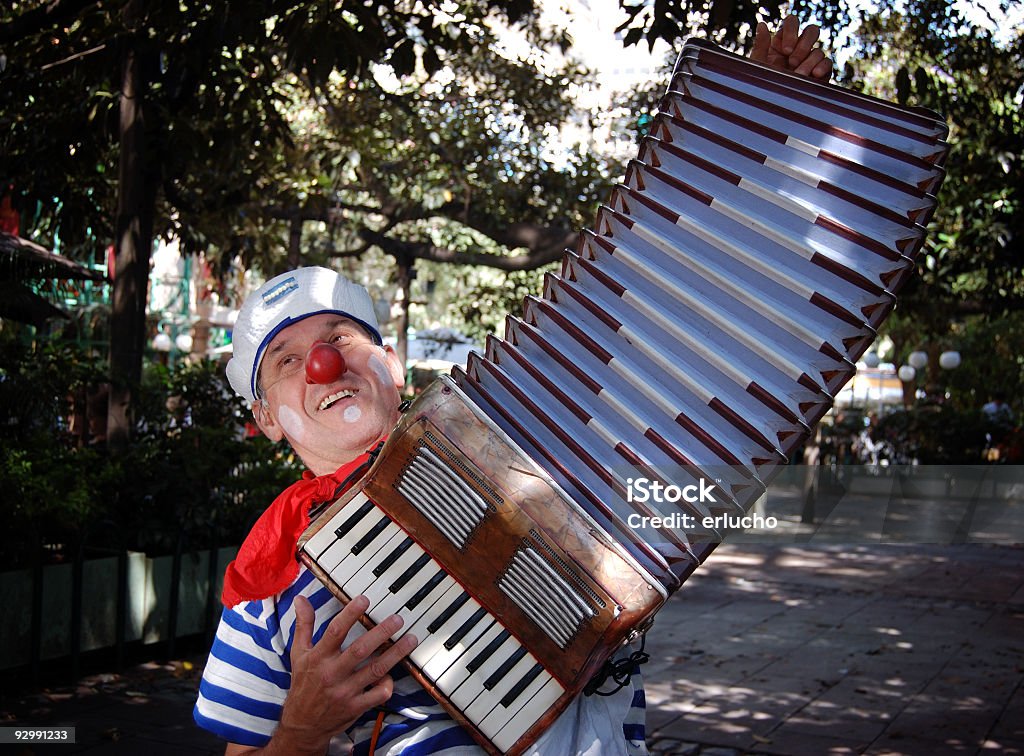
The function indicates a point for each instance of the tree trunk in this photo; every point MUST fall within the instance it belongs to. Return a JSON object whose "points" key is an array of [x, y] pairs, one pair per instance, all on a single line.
{"points": [[132, 243], [295, 242], [405, 275]]}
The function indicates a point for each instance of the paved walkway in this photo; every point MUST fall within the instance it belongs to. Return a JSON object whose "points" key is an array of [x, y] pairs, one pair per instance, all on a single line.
{"points": [[776, 649], [832, 650]]}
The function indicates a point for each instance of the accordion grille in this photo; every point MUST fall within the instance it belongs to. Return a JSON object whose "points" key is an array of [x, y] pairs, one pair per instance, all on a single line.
{"points": [[442, 496], [543, 594]]}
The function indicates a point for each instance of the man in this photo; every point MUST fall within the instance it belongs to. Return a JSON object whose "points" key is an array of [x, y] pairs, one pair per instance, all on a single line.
{"points": [[291, 670], [284, 672]]}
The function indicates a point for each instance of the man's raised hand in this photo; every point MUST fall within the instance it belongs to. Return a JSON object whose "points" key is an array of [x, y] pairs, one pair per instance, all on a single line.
{"points": [[791, 49]]}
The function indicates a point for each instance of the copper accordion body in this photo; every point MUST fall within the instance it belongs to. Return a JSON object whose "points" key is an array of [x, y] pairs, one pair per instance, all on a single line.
{"points": [[696, 334]]}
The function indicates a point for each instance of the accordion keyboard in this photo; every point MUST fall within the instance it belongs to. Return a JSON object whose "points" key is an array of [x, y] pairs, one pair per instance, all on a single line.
{"points": [[464, 650]]}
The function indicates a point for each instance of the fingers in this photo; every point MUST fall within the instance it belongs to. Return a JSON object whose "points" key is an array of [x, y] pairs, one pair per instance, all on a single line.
{"points": [[304, 617], [380, 665], [367, 644], [792, 49], [803, 46], [343, 622], [762, 43], [788, 36], [816, 65]]}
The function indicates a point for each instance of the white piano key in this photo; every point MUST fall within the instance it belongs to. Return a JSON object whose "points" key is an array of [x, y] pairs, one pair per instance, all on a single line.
{"points": [[433, 642], [500, 715], [536, 707], [324, 537], [488, 700], [394, 603], [473, 690], [352, 563], [448, 668], [434, 668], [342, 548], [420, 625], [376, 588]]}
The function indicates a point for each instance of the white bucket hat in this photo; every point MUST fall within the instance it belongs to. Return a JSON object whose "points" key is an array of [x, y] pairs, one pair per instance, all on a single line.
{"points": [[282, 301]]}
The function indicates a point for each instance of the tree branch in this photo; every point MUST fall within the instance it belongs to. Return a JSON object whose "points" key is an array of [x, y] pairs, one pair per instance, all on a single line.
{"points": [[42, 18], [424, 251]]}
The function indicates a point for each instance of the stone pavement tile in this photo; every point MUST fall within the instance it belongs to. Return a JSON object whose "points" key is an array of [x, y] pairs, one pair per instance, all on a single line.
{"points": [[745, 612], [737, 719], [886, 613], [900, 745], [709, 731], [764, 639], [661, 720], [678, 697], [854, 641], [934, 718], [1007, 625], [725, 667], [975, 681], [795, 623], [804, 688], [983, 648], [860, 697], [1010, 724], [1002, 747], [788, 742], [913, 671], [817, 668], [673, 747], [826, 718]]}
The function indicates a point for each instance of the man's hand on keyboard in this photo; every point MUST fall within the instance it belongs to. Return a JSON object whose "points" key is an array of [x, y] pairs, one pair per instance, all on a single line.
{"points": [[332, 688]]}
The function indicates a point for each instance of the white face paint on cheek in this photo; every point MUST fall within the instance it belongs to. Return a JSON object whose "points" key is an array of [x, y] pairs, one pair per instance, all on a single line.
{"points": [[291, 423], [352, 414], [381, 370]]}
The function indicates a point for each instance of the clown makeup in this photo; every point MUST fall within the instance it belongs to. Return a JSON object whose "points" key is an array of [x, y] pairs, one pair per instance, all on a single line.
{"points": [[352, 414], [291, 423], [382, 371]]}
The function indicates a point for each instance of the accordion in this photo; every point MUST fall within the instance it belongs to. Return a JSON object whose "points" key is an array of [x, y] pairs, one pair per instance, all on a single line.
{"points": [[691, 340]]}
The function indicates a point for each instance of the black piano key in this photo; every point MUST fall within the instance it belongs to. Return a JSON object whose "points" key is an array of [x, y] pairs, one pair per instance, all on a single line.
{"points": [[375, 531], [390, 559], [503, 670], [523, 684], [351, 521], [406, 576], [487, 652], [459, 634], [446, 615], [423, 592]]}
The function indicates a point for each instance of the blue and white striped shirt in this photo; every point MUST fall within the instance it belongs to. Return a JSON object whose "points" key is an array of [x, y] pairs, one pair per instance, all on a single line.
{"points": [[248, 676]]}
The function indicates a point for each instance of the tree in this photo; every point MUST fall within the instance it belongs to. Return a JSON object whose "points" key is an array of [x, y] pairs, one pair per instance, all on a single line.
{"points": [[185, 97], [970, 282]]}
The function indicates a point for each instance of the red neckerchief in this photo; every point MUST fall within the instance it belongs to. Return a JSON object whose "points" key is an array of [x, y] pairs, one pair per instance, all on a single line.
{"points": [[266, 563]]}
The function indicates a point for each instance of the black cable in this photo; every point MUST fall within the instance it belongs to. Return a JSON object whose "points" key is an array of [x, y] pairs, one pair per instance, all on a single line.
{"points": [[620, 671]]}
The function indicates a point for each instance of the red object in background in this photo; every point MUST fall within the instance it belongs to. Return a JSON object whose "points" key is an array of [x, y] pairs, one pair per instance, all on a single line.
{"points": [[324, 364], [111, 258], [10, 219]]}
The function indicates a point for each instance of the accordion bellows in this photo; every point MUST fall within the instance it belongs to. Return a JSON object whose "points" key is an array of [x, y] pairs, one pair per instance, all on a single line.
{"points": [[694, 337]]}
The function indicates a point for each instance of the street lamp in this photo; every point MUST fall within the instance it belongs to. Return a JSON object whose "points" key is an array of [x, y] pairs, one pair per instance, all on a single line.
{"points": [[162, 342], [949, 360]]}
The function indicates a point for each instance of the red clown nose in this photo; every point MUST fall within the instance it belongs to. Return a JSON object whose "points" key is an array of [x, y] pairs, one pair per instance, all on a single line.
{"points": [[324, 364]]}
